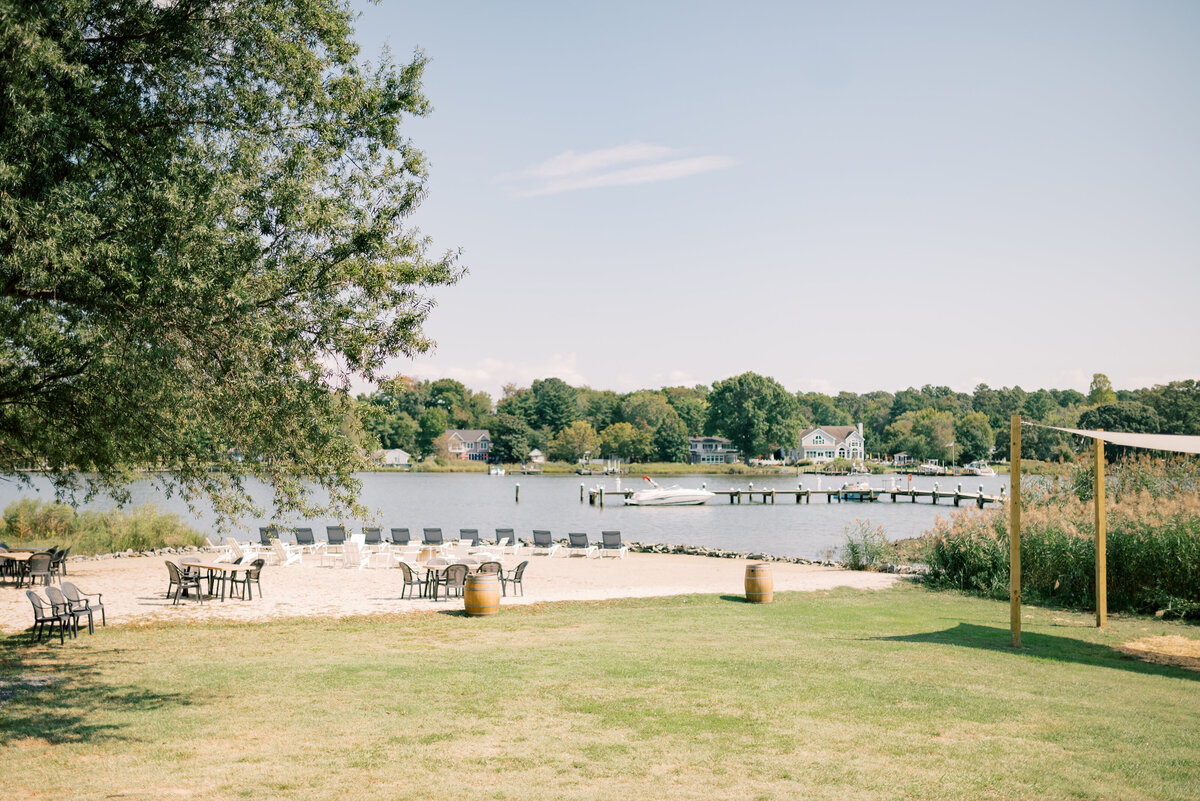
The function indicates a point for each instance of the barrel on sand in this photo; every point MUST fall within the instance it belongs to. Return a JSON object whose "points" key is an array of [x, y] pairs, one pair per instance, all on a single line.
{"points": [[760, 585], [481, 595]]}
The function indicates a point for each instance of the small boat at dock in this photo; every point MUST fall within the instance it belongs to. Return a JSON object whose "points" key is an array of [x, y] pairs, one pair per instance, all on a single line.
{"points": [[668, 496]]}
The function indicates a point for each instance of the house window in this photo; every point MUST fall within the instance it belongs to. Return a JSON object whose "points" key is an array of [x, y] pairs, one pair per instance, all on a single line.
{"points": [[818, 440]]}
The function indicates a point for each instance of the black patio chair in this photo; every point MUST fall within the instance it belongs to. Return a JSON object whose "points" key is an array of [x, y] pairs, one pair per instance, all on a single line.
{"points": [[37, 567], [492, 568], [433, 536], [304, 537], [453, 579], [400, 536], [251, 576], [411, 580], [58, 566], [265, 535], [372, 536], [60, 604], [336, 536], [503, 534], [469, 536], [181, 582], [80, 600], [515, 578], [44, 613]]}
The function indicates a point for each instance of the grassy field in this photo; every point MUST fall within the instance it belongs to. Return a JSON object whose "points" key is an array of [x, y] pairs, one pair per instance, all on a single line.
{"points": [[842, 695]]}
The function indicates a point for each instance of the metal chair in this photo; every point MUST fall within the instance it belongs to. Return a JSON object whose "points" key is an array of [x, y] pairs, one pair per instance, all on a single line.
{"points": [[372, 538], [181, 582], [515, 578], [578, 545], [453, 578], [433, 536], [79, 601], [60, 604], [37, 567], [250, 576], [335, 537], [543, 543], [611, 545], [42, 616], [400, 536], [58, 566], [411, 580], [493, 568], [469, 536]]}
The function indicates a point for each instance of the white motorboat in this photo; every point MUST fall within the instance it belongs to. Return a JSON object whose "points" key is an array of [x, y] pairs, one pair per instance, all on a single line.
{"points": [[667, 496], [932, 468], [979, 468], [495, 470]]}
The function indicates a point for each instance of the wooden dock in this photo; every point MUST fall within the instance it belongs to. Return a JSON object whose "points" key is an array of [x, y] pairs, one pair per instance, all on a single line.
{"points": [[597, 495]]}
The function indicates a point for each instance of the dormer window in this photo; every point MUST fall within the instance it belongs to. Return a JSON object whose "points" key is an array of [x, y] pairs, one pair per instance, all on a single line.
{"points": [[818, 440]]}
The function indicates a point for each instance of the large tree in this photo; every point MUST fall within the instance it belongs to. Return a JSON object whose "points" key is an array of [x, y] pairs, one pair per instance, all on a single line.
{"points": [[203, 238], [754, 412]]}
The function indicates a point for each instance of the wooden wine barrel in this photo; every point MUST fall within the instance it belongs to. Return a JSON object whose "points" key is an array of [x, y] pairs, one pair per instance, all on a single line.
{"points": [[760, 586], [481, 597]]}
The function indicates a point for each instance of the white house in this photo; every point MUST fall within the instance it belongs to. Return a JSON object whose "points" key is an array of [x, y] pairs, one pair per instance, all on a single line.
{"points": [[537, 457], [393, 457], [826, 443], [711, 450], [469, 443]]}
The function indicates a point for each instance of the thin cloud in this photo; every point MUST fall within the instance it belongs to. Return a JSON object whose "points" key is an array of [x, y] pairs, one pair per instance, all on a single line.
{"points": [[625, 165]]}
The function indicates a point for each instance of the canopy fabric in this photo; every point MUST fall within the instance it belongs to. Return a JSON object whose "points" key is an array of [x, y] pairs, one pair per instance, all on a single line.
{"points": [[1176, 443]]}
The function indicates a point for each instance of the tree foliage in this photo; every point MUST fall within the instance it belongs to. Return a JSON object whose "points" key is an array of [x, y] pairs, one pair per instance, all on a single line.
{"points": [[202, 232], [753, 412], [574, 442]]}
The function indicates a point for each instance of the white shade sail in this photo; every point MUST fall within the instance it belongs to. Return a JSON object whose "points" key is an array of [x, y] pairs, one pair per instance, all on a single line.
{"points": [[1176, 443]]}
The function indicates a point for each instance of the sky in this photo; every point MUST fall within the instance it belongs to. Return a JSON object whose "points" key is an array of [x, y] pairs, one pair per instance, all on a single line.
{"points": [[844, 196]]}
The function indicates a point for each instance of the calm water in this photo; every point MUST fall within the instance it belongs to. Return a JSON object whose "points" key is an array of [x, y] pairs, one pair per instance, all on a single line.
{"points": [[453, 501]]}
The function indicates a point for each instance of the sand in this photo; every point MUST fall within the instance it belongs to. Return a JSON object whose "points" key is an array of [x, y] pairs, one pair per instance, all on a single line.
{"points": [[134, 587]]}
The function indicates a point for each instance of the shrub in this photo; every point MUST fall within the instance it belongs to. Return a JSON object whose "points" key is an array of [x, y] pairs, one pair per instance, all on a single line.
{"points": [[1153, 541], [866, 548], [141, 529]]}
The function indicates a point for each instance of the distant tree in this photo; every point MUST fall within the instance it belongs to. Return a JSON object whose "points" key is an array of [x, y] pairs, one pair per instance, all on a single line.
{"points": [[925, 434], [598, 407], [822, 410], [432, 425], [518, 403], [577, 439], [691, 404], [753, 412], [974, 437], [671, 441], [1135, 418], [623, 441], [646, 409], [1101, 390], [203, 240], [1177, 405], [553, 404], [1039, 404], [1067, 398], [510, 439]]}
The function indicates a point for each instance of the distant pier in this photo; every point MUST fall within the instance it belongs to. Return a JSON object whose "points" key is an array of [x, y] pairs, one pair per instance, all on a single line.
{"points": [[956, 497]]}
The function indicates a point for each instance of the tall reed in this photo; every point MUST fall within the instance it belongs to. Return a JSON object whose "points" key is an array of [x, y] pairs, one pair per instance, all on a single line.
{"points": [[37, 523]]}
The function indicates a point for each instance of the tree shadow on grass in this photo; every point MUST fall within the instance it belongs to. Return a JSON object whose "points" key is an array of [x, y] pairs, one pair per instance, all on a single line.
{"points": [[58, 695], [1044, 646]]}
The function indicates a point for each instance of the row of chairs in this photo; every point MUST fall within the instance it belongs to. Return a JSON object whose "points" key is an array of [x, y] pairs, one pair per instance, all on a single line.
{"points": [[46, 566], [610, 543], [63, 607]]}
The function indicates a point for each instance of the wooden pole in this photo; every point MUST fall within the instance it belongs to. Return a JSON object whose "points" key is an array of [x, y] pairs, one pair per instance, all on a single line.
{"points": [[1014, 537], [1101, 556]]}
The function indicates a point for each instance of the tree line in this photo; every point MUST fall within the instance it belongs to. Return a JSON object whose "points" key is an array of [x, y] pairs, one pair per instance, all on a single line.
{"points": [[759, 416]]}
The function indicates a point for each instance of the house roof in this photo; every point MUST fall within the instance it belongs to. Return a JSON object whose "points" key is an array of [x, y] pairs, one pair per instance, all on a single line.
{"points": [[469, 434], [839, 433], [709, 439]]}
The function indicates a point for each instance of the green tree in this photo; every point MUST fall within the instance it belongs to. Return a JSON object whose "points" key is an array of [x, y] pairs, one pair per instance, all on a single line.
{"points": [[574, 441], [753, 412], [1135, 418], [671, 441], [974, 437], [623, 441], [553, 404], [646, 409], [203, 232], [691, 406], [510, 439], [822, 410], [1177, 405], [1101, 390], [432, 425]]}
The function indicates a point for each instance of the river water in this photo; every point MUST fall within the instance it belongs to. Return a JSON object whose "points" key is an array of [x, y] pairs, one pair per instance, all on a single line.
{"points": [[459, 500]]}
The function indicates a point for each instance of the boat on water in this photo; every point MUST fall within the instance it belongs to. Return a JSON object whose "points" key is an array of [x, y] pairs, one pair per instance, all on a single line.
{"points": [[932, 468], [979, 468], [857, 491], [495, 470], [667, 496]]}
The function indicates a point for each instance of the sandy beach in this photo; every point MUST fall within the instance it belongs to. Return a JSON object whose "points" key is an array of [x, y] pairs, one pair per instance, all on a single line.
{"points": [[134, 587]]}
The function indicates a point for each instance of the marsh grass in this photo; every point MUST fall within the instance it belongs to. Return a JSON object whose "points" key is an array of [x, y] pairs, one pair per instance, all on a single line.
{"points": [[1153, 541], [33, 523], [834, 695]]}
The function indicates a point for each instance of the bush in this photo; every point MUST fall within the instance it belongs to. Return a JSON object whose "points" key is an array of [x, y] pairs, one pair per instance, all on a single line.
{"points": [[1153, 541], [866, 548], [33, 522]]}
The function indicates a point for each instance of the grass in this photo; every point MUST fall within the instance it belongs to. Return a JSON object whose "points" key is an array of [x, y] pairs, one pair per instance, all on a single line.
{"points": [[838, 695]]}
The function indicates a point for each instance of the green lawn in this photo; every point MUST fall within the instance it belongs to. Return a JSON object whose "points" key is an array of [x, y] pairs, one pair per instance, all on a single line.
{"points": [[840, 695]]}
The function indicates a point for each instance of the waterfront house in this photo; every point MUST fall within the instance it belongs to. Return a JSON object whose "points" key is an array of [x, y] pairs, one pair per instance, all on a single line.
{"points": [[537, 457], [469, 443], [393, 457], [826, 443], [711, 450]]}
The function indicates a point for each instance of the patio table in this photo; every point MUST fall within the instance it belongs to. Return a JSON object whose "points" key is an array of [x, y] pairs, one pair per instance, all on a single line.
{"points": [[214, 568]]}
